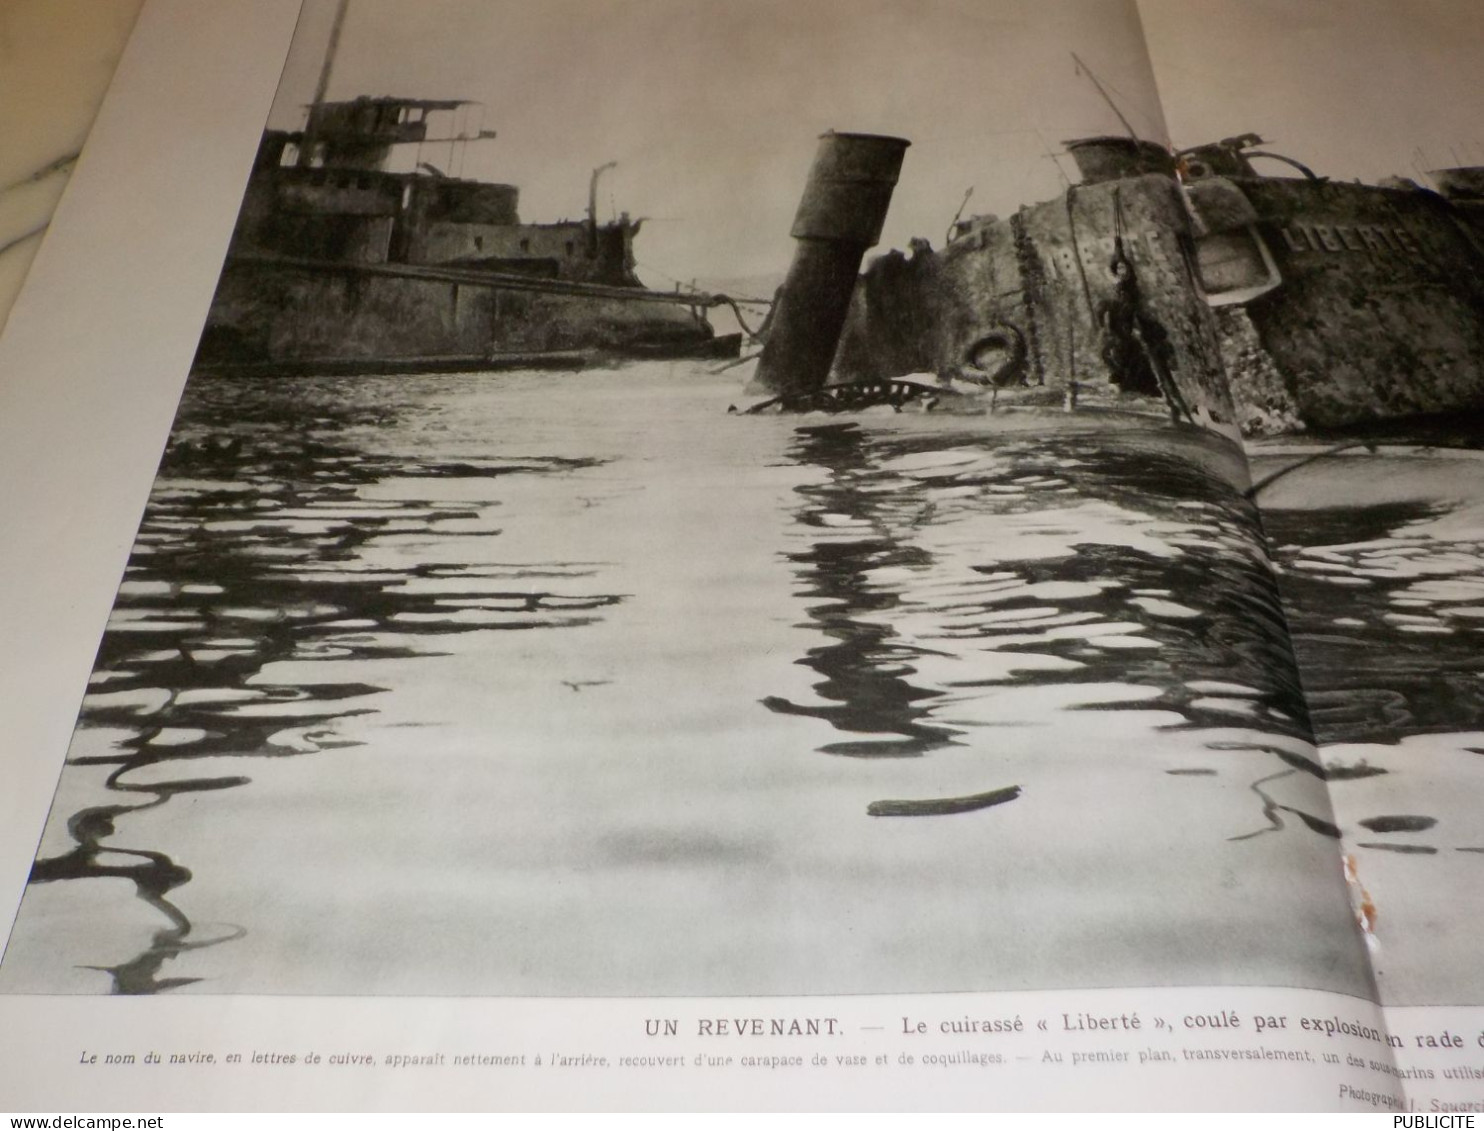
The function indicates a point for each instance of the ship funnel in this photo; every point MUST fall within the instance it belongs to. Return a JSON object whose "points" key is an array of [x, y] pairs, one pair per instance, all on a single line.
{"points": [[840, 216], [1113, 158]]}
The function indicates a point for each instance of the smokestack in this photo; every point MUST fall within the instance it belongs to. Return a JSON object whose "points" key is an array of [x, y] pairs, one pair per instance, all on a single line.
{"points": [[839, 218]]}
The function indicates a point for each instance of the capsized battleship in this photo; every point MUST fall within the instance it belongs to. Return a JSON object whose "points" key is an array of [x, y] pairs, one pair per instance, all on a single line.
{"points": [[1182, 282]]}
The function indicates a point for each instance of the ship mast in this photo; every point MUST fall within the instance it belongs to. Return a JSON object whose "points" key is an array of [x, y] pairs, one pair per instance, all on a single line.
{"points": [[306, 148], [592, 208]]}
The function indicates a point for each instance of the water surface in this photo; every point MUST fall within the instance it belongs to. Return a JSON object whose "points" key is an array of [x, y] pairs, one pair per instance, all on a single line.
{"points": [[1382, 574], [576, 684]]}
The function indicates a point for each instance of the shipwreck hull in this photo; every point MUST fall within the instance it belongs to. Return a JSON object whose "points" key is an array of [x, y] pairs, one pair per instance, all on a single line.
{"points": [[308, 317], [1279, 304], [1021, 302], [1380, 311]]}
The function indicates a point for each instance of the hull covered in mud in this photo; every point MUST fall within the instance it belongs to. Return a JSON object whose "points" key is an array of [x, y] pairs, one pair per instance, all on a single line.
{"points": [[1270, 305], [1023, 303], [1378, 313]]}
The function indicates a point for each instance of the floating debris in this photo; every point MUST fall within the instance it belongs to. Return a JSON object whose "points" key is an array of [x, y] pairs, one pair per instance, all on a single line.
{"points": [[942, 806], [1399, 824]]}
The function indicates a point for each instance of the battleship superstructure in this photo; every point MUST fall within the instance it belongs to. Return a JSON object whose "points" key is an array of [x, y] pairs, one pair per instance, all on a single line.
{"points": [[358, 249]]}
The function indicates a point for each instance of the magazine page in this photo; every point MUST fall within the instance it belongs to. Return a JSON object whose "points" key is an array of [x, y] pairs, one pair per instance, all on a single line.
{"points": [[521, 693], [1367, 188]]}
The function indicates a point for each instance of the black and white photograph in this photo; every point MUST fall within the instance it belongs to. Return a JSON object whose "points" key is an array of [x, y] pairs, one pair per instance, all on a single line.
{"points": [[676, 499], [1366, 364]]}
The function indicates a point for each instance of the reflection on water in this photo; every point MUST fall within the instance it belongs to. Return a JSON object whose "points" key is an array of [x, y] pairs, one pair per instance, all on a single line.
{"points": [[866, 667], [254, 552], [1387, 618], [333, 746], [1101, 604]]}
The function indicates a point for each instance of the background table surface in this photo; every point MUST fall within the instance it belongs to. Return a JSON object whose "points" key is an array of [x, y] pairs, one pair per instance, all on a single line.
{"points": [[57, 58]]}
